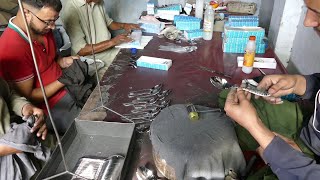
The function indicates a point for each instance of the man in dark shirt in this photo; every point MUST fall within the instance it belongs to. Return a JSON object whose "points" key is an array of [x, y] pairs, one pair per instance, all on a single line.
{"points": [[282, 154]]}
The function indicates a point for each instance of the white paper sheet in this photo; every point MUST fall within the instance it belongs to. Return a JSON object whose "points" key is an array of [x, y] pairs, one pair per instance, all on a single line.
{"points": [[144, 42]]}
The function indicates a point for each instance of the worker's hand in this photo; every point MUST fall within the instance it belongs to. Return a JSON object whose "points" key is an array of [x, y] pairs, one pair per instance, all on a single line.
{"points": [[239, 108], [280, 85], [40, 124], [65, 62], [121, 38], [129, 27]]}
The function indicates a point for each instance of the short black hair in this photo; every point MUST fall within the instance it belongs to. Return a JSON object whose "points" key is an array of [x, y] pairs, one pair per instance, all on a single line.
{"points": [[38, 4]]}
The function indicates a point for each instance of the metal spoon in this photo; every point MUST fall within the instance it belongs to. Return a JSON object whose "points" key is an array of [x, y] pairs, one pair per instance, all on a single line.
{"points": [[148, 110], [161, 105], [136, 102], [154, 89], [164, 93]]}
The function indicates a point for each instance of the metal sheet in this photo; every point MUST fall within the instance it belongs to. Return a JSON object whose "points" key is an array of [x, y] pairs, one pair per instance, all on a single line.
{"points": [[90, 138]]}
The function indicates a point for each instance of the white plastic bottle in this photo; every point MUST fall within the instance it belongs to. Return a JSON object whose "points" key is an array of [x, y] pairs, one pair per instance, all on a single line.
{"points": [[249, 55], [208, 23], [199, 8]]}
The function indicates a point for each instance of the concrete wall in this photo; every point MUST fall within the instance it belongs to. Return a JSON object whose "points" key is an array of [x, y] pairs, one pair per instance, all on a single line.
{"points": [[305, 57], [266, 14], [275, 21], [296, 46], [284, 25], [127, 11]]}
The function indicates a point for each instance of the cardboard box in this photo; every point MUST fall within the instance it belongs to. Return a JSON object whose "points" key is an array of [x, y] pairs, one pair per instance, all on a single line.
{"points": [[154, 63], [268, 63]]}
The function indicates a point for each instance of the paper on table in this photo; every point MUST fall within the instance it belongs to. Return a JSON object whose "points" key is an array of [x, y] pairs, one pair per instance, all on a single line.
{"points": [[144, 41]]}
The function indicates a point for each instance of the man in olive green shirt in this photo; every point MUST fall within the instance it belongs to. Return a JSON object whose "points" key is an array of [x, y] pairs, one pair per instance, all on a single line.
{"points": [[18, 147], [82, 23]]}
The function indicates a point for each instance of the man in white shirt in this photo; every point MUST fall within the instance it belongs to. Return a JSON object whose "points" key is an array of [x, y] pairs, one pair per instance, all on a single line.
{"points": [[82, 23]]}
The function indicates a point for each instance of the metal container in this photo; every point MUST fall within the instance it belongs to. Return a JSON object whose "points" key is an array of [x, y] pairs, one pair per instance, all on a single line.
{"points": [[90, 138]]}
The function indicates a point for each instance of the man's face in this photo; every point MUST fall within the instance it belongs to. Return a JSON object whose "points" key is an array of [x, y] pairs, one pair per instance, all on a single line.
{"points": [[42, 21], [312, 18]]}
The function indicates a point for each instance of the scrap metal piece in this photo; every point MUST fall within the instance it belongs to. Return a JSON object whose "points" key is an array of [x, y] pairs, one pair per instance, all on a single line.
{"points": [[89, 168], [113, 168]]}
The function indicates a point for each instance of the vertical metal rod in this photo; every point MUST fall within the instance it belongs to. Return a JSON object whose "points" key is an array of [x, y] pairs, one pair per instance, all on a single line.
{"points": [[41, 84], [94, 55], [96, 68]]}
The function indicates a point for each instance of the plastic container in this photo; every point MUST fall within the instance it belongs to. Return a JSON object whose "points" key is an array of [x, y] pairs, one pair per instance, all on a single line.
{"points": [[208, 23], [199, 8], [249, 55]]}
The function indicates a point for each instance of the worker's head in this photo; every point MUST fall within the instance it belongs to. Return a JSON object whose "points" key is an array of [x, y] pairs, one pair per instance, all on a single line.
{"points": [[41, 14], [312, 18]]}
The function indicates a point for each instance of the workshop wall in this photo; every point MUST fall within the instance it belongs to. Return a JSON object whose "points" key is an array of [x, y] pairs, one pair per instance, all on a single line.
{"points": [[305, 51], [303, 55], [127, 11]]}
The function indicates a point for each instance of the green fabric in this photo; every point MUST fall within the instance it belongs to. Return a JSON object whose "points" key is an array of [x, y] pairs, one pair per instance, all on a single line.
{"points": [[263, 173], [285, 119]]}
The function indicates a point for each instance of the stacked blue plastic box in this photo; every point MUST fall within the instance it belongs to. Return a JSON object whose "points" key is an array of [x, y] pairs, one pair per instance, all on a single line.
{"points": [[190, 25], [237, 32]]}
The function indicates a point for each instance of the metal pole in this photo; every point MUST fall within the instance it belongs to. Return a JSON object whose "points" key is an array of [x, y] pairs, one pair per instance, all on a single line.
{"points": [[94, 55]]}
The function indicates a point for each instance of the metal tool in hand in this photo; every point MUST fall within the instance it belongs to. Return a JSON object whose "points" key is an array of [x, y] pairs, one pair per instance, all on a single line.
{"points": [[214, 71], [31, 120], [156, 88], [222, 83], [193, 113]]}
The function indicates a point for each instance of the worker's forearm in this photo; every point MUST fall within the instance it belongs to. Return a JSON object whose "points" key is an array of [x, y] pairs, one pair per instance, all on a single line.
{"points": [[6, 150], [102, 46], [261, 134], [116, 26], [50, 89]]}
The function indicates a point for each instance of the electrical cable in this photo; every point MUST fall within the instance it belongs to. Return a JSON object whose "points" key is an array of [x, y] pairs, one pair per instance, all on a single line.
{"points": [[316, 101]]}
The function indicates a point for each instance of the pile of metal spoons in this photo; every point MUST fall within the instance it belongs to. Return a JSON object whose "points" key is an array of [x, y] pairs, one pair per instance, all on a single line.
{"points": [[147, 104]]}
